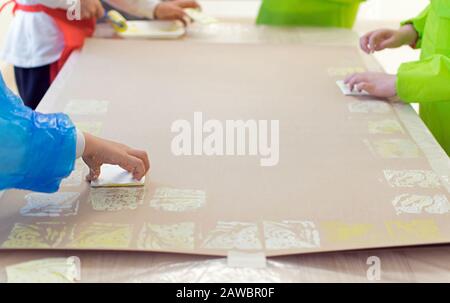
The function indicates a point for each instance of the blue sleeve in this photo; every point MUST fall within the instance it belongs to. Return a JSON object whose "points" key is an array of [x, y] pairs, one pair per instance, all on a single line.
{"points": [[36, 150]]}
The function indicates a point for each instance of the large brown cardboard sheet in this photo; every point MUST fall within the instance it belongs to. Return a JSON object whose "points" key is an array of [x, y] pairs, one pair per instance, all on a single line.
{"points": [[350, 174]]}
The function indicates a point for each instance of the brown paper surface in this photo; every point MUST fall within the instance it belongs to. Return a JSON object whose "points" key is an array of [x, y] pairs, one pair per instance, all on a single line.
{"points": [[333, 189]]}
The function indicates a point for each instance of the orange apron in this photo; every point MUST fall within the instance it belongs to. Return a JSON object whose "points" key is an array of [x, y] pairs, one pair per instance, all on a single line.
{"points": [[74, 31]]}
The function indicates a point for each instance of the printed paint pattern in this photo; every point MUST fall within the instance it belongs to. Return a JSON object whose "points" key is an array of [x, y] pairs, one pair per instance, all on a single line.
{"points": [[59, 204], [167, 237], [290, 234], [101, 236], [233, 235], [412, 178], [387, 126], [338, 232], [86, 107], [116, 199], [367, 107], [413, 230], [38, 235], [417, 204], [177, 200], [396, 148], [51, 270]]}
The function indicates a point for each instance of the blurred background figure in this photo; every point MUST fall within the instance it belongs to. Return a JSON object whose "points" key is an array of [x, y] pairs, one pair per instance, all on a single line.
{"points": [[329, 13]]}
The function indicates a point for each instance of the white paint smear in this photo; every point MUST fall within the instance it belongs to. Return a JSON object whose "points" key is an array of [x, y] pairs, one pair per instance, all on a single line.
{"points": [[417, 204], [92, 127], [233, 235], [412, 178], [291, 234], [59, 204]]}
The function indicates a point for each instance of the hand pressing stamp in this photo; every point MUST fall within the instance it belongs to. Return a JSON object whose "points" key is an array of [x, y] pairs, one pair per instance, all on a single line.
{"points": [[200, 17], [115, 176], [346, 90]]}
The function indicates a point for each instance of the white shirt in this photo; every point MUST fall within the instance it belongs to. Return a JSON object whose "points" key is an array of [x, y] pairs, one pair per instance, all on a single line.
{"points": [[80, 145], [34, 40]]}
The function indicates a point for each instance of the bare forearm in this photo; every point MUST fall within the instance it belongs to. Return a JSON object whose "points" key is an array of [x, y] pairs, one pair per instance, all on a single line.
{"points": [[408, 34]]}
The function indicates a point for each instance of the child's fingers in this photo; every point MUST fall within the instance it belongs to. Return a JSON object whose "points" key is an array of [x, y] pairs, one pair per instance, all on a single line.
{"points": [[180, 15], [373, 41], [100, 11], [140, 154], [357, 79], [349, 78], [364, 43], [366, 86], [133, 165], [188, 4], [94, 173]]}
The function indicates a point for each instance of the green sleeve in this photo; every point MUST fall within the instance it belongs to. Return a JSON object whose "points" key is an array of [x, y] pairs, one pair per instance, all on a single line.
{"points": [[419, 24], [425, 80]]}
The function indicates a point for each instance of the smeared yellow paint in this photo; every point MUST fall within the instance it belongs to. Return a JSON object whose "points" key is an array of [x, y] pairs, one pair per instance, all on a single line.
{"points": [[101, 236], [167, 237], [51, 270], [387, 126], [38, 235], [417, 204], [177, 200], [396, 148], [337, 231], [413, 230]]}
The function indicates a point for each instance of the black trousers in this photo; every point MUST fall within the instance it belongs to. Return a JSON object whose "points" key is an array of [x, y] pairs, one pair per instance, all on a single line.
{"points": [[32, 84]]}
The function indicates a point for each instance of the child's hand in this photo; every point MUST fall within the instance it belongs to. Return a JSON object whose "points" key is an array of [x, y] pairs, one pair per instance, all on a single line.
{"points": [[100, 151], [174, 10], [91, 9], [376, 84], [386, 38]]}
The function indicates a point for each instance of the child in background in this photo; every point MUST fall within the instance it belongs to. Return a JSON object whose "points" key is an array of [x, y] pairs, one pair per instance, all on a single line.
{"points": [[41, 37], [330, 13], [426, 81], [39, 150]]}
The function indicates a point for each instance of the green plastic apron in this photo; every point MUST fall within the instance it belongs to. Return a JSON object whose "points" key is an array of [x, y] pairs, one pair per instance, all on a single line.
{"points": [[428, 81], [329, 13]]}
